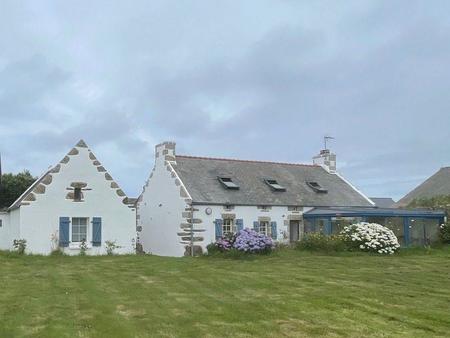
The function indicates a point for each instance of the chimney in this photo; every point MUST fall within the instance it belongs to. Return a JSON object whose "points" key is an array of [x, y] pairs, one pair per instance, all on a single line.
{"points": [[327, 160], [165, 152]]}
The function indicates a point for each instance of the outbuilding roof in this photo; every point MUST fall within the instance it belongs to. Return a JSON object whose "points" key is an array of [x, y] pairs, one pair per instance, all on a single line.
{"points": [[383, 202], [201, 176], [376, 212], [437, 184]]}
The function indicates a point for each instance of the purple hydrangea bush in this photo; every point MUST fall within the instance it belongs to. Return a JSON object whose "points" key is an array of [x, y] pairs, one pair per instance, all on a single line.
{"points": [[224, 244], [248, 240], [245, 241]]}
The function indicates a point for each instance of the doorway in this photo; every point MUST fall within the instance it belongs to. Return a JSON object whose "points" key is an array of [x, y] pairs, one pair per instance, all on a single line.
{"points": [[293, 231]]}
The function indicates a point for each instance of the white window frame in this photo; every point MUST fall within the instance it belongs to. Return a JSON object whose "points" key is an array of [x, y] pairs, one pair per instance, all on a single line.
{"points": [[87, 229], [228, 223], [267, 228]]}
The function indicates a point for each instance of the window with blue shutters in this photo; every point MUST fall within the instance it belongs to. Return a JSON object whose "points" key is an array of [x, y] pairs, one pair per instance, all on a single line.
{"points": [[96, 231]]}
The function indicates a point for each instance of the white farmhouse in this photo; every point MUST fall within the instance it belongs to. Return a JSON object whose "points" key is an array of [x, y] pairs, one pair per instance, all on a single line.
{"points": [[76, 199], [192, 201]]}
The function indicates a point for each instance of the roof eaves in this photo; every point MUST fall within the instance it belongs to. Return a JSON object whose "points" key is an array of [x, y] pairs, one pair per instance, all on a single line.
{"points": [[17, 202]]}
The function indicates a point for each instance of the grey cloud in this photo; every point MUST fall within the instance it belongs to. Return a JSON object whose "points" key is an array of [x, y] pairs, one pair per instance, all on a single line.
{"points": [[262, 80]]}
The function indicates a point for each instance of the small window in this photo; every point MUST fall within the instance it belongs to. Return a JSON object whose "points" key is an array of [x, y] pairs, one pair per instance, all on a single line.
{"points": [[228, 183], [264, 228], [274, 184], [1, 223], [79, 229], [228, 226], [316, 187], [77, 195]]}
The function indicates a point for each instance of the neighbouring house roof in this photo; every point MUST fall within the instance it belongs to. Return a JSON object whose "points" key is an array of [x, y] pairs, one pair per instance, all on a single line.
{"points": [[383, 202], [200, 176], [437, 184]]}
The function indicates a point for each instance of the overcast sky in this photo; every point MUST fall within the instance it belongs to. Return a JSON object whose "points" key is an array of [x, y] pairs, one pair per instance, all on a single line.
{"points": [[243, 79]]}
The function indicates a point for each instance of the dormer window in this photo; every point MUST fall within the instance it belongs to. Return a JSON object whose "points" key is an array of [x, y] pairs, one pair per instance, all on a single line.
{"points": [[228, 183], [77, 196], [316, 187], [274, 184]]}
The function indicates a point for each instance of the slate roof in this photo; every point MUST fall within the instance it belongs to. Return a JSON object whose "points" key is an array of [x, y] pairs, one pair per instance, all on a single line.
{"points": [[200, 174], [437, 184], [383, 202]]}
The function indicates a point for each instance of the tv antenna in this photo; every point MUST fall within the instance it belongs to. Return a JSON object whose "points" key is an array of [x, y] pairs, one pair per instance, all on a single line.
{"points": [[326, 139]]}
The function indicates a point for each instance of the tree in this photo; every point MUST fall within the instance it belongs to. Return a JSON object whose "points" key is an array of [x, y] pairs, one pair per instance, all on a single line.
{"points": [[12, 186], [441, 202]]}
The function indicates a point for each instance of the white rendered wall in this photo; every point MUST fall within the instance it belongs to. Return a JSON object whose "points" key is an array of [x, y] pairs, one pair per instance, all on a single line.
{"points": [[5, 236], [40, 220], [10, 229], [248, 214], [160, 212]]}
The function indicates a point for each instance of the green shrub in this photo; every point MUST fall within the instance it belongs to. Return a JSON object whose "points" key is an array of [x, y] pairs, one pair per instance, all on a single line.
{"points": [[212, 249], [20, 245], [444, 233], [83, 247], [321, 242], [57, 252], [111, 246]]}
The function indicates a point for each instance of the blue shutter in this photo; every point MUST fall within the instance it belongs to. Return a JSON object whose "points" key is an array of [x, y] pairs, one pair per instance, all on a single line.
{"points": [[64, 223], [273, 226], [219, 224], [256, 226], [96, 231], [239, 224]]}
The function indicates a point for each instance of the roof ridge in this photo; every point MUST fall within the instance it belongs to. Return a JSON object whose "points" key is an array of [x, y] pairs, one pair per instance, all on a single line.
{"points": [[247, 161]]}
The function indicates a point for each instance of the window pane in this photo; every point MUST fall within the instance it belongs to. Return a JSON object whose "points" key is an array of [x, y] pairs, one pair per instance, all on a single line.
{"points": [[264, 228], [228, 226], [79, 229]]}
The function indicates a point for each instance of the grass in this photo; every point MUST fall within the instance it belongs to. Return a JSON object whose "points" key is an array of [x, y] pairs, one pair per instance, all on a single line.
{"points": [[291, 294]]}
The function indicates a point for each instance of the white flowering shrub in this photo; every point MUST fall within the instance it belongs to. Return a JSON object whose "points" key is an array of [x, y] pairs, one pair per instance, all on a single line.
{"points": [[370, 237]]}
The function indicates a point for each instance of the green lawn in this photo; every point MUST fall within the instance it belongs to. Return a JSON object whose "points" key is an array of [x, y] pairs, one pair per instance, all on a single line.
{"points": [[289, 294]]}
